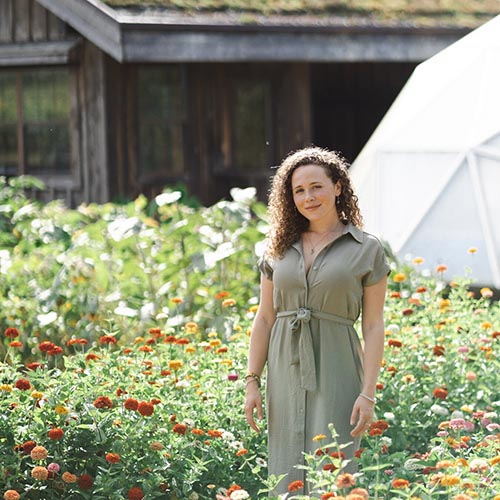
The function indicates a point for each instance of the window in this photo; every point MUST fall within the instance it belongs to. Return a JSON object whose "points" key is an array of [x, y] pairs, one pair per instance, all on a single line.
{"points": [[34, 122], [251, 108], [161, 115]]}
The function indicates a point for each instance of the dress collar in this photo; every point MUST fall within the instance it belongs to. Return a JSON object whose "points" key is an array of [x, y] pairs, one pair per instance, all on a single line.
{"points": [[350, 228]]}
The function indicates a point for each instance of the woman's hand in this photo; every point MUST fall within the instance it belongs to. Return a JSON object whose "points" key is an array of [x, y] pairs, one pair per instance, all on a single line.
{"points": [[253, 400], [361, 416]]}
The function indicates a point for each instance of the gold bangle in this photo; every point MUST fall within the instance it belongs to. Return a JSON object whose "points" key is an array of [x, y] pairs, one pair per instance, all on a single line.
{"points": [[253, 376]]}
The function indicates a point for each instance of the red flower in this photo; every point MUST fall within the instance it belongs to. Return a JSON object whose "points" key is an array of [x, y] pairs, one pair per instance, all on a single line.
{"points": [[214, 433], [55, 434], [182, 341], [295, 486], [28, 446], [338, 454], [407, 312], [11, 332], [55, 350], [440, 392], [33, 366], [46, 346], [23, 384], [135, 493], [85, 482], [395, 343], [155, 401], [170, 339], [91, 357], [103, 402], [131, 404], [326, 496], [438, 350], [180, 428], [112, 458], [375, 432], [379, 424], [330, 467], [222, 295], [107, 339], [145, 408]]}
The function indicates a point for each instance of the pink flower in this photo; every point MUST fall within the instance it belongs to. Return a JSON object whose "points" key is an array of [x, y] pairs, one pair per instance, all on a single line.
{"points": [[53, 467], [442, 434], [457, 423], [471, 376], [463, 349]]}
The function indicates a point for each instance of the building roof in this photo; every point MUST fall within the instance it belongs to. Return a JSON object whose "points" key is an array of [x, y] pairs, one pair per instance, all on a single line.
{"points": [[416, 13], [314, 31]]}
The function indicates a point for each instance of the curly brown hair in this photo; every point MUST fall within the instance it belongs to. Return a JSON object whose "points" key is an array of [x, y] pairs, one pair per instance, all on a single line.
{"points": [[287, 223]]}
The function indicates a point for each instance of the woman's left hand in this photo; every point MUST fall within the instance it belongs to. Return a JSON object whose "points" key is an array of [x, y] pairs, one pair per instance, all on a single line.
{"points": [[361, 416]]}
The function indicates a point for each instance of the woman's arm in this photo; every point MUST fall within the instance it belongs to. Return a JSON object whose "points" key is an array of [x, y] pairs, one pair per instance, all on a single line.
{"points": [[257, 356], [373, 336]]}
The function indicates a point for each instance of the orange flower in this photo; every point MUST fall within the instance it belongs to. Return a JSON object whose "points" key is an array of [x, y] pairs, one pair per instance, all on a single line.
{"points": [[40, 473], [438, 350], [15, 344], [222, 295], [399, 277], [395, 343], [11, 495], [135, 493], [440, 392], [67, 477], [103, 402], [198, 432], [55, 434], [228, 303], [361, 492], [441, 268], [241, 452], [39, 453], [400, 484], [214, 433], [177, 300], [180, 428], [449, 480], [326, 496], [112, 458], [345, 480], [107, 339], [295, 486]]}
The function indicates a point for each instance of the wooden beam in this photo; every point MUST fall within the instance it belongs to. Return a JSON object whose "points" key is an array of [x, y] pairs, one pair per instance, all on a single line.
{"points": [[22, 20], [6, 22], [40, 53]]}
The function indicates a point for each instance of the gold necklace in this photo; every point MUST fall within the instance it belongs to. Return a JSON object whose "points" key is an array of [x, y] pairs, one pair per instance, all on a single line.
{"points": [[313, 247]]}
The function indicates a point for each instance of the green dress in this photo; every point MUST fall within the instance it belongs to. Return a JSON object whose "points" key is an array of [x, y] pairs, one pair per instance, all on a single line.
{"points": [[314, 366]]}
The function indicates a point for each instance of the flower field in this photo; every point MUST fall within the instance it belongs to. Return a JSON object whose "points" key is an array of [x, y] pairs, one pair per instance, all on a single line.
{"points": [[125, 330]]}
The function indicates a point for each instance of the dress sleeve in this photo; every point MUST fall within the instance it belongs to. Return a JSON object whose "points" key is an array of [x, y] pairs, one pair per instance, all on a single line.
{"points": [[379, 268], [265, 267]]}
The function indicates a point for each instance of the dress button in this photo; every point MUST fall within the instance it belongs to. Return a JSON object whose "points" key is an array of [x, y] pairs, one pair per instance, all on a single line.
{"points": [[315, 268]]}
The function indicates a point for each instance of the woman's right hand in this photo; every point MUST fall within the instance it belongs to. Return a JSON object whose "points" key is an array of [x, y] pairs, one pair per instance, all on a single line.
{"points": [[253, 401]]}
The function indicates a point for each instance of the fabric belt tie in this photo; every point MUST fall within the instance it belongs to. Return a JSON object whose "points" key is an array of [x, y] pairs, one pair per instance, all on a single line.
{"points": [[302, 351]]}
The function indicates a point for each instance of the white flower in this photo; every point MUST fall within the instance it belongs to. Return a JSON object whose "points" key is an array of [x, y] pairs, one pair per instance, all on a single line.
{"points": [[245, 196], [261, 462], [387, 441], [194, 496], [456, 414], [228, 436], [188, 422], [427, 400], [239, 495], [182, 384], [393, 328], [47, 319], [439, 410], [389, 415], [167, 198]]}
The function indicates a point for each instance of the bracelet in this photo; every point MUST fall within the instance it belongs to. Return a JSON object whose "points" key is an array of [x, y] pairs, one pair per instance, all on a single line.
{"points": [[372, 400], [253, 376], [252, 380]]}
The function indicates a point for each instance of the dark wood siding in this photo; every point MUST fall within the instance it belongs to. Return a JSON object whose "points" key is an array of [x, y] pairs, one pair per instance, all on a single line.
{"points": [[24, 21]]}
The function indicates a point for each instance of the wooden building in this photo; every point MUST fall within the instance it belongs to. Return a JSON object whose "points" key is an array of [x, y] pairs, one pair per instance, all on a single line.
{"points": [[104, 103]]}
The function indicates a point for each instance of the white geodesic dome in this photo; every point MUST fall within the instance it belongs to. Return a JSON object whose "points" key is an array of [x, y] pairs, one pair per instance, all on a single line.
{"points": [[428, 179]]}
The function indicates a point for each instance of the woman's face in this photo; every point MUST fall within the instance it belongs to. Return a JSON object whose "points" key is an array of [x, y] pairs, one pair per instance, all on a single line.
{"points": [[314, 193]]}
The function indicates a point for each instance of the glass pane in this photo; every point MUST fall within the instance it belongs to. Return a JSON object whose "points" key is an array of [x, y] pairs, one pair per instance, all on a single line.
{"points": [[250, 150], [8, 113], [46, 111], [160, 112], [8, 121], [45, 95], [47, 148]]}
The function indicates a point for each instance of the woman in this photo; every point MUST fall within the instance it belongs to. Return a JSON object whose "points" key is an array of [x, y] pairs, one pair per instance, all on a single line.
{"points": [[319, 271]]}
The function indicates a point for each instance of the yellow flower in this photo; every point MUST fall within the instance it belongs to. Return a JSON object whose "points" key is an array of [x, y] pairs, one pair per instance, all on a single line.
{"points": [[37, 395], [495, 460], [61, 410], [319, 437], [418, 260], [253, 309], [399, 277], [212, 335], [175, 364], [472, 250], [486, 292], [191, 327], [138, 340], [6, 388], [450, 480], [444, 304], [190, 349], [228, 362], [485, 325], [215, 342]]}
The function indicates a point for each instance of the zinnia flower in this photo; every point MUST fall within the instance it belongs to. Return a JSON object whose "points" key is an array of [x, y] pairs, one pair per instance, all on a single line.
{"points": [[53, 468], [107, 339], [295, 486], [39, 453], [400, 484], [145, 408], [112, 458], [85, 482], [440, 392], [345, 480], [135, 493], [40, 473], [180, 428], [23, 384], [131, 404], [55, 434], [360, 492], [399, 277], [11, 495], [103, 402], [11, 333], [67, 477]]}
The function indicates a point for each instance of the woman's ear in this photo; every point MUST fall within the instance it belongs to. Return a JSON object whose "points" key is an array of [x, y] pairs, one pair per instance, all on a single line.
{"points": [[338, 188]]}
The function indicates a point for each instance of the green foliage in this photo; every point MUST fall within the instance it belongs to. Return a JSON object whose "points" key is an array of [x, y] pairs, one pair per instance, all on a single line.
{"points": [[152, 302]]}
